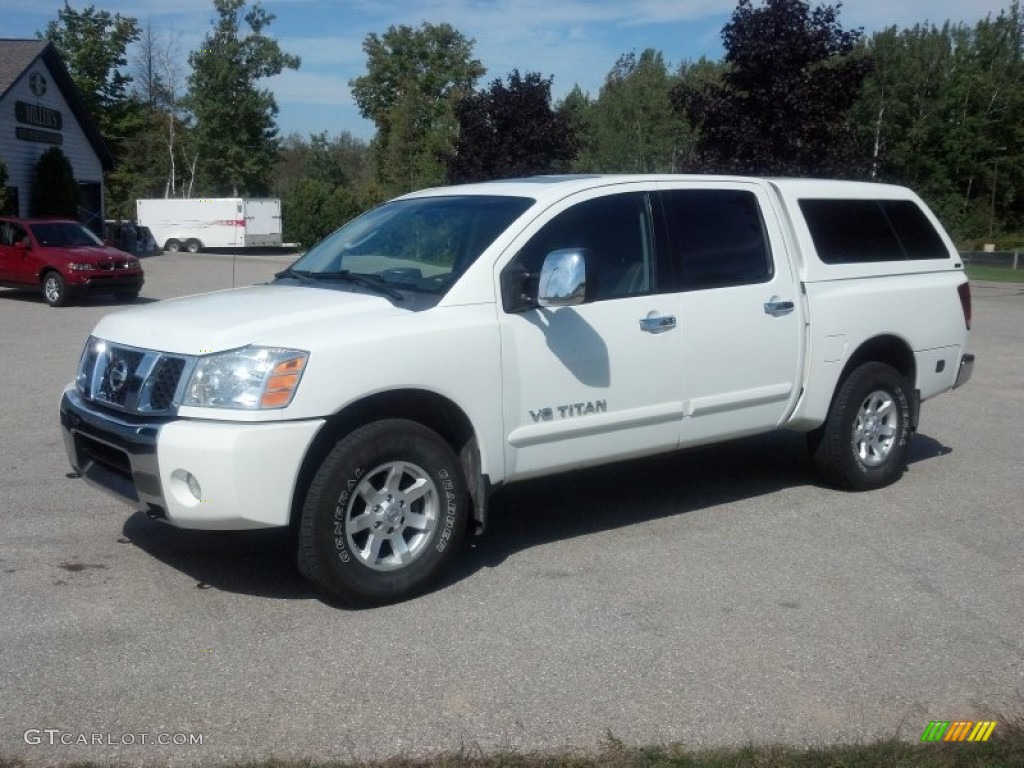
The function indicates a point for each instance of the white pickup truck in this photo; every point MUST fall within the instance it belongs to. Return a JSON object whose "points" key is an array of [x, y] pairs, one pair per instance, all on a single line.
{"points": [[454, 340]]}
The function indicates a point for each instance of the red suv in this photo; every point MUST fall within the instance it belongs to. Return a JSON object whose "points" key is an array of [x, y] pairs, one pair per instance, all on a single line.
{"points": [[62, 259]]}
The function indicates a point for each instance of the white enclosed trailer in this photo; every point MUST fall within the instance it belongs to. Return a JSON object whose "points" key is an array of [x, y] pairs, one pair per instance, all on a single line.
{"points": [[211, 222]]}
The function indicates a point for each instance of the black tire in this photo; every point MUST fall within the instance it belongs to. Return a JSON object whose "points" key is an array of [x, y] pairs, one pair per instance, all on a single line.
{"points": [[55, 292], [126, 295], [172, 246], [193, 246], [357, 516], [863, 443]]}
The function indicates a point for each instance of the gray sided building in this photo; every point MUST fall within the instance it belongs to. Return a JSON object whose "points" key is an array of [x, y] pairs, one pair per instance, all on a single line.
{"points": [[40, 107]]}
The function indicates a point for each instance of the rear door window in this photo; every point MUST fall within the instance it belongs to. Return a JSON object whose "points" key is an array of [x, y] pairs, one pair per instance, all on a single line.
{"points": [[716, 237], [853, 231]]}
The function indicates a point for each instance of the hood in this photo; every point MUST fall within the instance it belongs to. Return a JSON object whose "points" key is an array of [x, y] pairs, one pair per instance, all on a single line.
{"points": [[260, 314], [87, 253]]}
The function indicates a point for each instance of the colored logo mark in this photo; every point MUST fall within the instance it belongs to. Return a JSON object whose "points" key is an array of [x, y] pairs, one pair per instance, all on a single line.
{"points": [[958, 730]]}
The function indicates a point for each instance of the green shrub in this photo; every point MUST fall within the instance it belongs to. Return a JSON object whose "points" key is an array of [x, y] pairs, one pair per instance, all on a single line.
{"points": [[55, 191]]}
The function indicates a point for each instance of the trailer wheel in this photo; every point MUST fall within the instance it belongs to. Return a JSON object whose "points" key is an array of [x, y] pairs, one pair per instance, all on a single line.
{"points": [[193, 246], [172, 246]]}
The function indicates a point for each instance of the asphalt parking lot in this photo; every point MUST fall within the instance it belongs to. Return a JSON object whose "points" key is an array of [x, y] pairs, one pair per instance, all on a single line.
{"points": [[712, 597]]}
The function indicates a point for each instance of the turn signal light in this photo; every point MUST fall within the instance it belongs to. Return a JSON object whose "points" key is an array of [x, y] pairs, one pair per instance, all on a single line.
{"points": [[283, 381]]}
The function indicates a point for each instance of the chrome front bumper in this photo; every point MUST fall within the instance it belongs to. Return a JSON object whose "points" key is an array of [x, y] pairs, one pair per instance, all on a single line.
{"points": [[192, 473], [116, 455]]}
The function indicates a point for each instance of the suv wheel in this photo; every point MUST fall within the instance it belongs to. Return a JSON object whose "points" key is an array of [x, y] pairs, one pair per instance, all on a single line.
{"points": [[55, 292]]}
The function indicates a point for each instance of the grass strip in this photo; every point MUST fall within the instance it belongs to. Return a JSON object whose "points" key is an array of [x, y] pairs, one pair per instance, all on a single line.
{"points": [[1004, 750], [997, 274]]}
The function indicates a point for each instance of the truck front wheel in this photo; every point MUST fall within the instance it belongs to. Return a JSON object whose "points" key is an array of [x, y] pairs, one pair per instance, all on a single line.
{"points": [[384, 515], [863, 443]]}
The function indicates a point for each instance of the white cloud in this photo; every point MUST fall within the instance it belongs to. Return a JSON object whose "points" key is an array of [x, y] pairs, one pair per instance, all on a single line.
{"points": [[298, 87], [317, 52], [878, 14]]}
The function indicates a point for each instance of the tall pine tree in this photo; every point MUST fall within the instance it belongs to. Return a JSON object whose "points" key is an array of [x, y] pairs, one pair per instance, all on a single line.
{"points": [[236, 133]]}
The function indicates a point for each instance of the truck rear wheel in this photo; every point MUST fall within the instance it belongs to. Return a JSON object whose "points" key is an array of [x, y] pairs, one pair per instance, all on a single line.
{"points": [[385, 514], [864, 440]]}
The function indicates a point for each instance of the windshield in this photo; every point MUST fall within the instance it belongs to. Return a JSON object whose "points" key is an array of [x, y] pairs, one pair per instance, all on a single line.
{"points": [[422, 244], [64, 234]]}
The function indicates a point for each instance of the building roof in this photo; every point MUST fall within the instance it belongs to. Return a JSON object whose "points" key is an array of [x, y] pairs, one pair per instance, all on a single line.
{"points": [[16, 56]]}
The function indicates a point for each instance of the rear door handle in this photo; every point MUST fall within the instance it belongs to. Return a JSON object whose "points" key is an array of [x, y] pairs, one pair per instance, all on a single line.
{"points": [[657, 323], [776, 307]]}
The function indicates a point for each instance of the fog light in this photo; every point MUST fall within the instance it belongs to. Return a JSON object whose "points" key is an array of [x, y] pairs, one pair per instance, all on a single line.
{"points": [[193, 486]]}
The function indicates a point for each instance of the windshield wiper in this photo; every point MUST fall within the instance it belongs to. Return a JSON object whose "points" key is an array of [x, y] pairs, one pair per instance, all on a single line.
{"points": [[372, 282], [291, 273]]}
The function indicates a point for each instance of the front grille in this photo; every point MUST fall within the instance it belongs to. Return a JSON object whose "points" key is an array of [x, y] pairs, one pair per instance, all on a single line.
{"points": [[165, 380], [119, 377], [130, 379]]}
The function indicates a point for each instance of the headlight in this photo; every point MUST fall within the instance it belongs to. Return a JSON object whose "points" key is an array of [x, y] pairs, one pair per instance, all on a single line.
{"points": [[80, 267], [251, 378]]}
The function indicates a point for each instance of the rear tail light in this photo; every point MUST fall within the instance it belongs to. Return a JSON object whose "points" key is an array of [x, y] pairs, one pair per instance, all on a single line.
{"points": [[964, 289]]}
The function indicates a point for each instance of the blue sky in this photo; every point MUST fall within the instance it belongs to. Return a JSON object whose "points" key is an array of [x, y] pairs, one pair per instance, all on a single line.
{"points": [[576, 41]]}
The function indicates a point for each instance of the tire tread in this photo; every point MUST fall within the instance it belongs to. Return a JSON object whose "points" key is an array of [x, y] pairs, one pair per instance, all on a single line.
{"points": [[829, 445], [311, 557]]}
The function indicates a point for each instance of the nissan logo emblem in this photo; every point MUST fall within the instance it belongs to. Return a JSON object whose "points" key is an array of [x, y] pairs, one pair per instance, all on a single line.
{"points": [[117, 375]]}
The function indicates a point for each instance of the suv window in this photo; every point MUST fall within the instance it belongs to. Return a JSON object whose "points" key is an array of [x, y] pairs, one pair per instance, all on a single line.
{"points": [[716, 238], [64, 234], [615, 231], [11, 233], [852, 231]]}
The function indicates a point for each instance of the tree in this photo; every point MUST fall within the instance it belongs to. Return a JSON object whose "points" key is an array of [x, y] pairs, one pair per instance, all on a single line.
{"points": [[323, 182], [159, 161], [632, 127], [792, 75], [313, 209], [943, 112], [511, 130], [414, 79], [54, 189], [94, 45], [343, 160], [235, 121]]}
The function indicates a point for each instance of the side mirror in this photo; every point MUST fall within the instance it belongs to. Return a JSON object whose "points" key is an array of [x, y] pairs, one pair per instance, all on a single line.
{"points": [[563, 278]]}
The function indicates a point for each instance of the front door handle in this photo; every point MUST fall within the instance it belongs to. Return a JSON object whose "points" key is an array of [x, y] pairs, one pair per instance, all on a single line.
{"points": [[657, 323], [776, 307]]}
